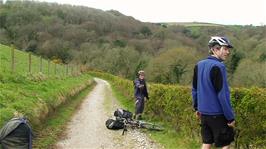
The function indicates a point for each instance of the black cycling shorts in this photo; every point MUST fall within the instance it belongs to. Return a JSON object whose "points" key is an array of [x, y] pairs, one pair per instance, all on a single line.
{"points": [[214, 129]]}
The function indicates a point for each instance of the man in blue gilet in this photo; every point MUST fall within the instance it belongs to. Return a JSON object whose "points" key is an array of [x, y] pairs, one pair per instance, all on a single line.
{"points": [[211, 96]]}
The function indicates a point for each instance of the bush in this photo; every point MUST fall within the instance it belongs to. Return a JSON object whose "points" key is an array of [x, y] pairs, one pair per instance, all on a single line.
{"points": [[173, 104]]}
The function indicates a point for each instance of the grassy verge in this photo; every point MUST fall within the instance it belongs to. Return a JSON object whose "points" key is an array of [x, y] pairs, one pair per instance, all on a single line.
{"points": [[34, 94], [169, 138], [36, 98], [49, 133], [126, 103], [108, 102]]}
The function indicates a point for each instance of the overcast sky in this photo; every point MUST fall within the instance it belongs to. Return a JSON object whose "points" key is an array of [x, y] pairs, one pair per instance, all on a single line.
{"points": [[240, 12]]}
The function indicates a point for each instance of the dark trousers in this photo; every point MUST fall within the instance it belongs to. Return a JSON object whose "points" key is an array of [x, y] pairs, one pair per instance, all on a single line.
{"points": [[214, 129], [139, 105]]}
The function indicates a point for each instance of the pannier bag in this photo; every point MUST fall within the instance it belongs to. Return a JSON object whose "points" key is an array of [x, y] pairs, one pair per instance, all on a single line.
{"points": [[114, 124], [121, 113]]}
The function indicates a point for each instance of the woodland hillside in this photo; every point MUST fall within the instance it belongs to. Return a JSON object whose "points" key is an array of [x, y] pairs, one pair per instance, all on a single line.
{"points": [[121, 45]]}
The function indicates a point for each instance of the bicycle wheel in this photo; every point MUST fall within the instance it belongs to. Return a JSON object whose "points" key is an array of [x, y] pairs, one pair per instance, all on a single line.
{"points": [[151, 126]]}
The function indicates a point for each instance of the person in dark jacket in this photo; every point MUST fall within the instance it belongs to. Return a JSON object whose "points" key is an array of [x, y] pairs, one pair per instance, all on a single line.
{"points": [[140, 92], [211, 96], [16, 134]]}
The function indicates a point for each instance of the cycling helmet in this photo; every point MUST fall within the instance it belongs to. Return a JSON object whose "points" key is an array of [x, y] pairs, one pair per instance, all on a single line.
{"points": [[141, 72], [221, 41]]}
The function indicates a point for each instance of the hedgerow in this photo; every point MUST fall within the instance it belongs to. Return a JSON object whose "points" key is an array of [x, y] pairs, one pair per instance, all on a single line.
{"points": [[172, 104]]}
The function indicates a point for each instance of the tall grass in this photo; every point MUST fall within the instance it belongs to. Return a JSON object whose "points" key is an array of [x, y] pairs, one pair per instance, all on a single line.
{"points": [[33, 95]]}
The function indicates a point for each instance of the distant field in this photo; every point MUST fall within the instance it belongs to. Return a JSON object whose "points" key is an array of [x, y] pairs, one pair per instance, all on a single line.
{"points": [[191, 24]]}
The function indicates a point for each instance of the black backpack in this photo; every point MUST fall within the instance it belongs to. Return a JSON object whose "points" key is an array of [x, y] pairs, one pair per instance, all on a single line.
{"points": [[118, 123], [16, 133], [114, 124], [121, 113]]}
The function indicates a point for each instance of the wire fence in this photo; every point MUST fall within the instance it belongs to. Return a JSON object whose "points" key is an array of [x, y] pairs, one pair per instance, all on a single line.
{"points": [[16, 61]]}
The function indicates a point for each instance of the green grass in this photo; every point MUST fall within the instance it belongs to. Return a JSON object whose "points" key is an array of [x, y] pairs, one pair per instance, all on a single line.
{"points": [[169, 138], [39, 96], [126, 103], [35, 99], [50, 132], [33, 95], [22, 63]]}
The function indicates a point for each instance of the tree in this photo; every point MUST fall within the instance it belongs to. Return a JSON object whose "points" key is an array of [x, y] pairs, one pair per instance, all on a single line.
{"points": [[178, 69], [86, 36], [145, 30], [250, 73], [234, 60], [172, 66], [120, 43], [262, 57], [141, 65], [32, 46], [121, 61], [55, 48]]}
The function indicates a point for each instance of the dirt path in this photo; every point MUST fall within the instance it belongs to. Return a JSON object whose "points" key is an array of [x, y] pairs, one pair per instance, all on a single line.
{"points": [[87, 128]]}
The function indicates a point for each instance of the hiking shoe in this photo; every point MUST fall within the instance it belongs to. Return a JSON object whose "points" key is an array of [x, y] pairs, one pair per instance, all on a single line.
{"points": [[139, 117]]}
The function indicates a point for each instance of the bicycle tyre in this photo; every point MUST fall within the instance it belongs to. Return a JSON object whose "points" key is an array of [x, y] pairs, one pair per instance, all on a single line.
{"points": [[151, 126]]}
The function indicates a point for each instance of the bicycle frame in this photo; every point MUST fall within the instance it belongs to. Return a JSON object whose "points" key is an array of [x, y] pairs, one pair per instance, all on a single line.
{"points": [[139, 124]]}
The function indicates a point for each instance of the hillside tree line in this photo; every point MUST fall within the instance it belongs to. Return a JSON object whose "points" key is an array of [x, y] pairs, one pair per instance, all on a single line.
{"points": [[121, 45]]}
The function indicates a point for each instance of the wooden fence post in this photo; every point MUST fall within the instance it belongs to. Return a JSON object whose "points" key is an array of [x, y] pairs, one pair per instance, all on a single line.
{"points": [[48, 67], [40, 64], [71, 69], [58, 69], [55, 68], [13, 59], [0, 60], [66, 69], [30, 63]]}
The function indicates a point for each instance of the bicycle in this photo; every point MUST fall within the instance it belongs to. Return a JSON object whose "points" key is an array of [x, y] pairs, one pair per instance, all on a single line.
{"points": [[129, 122]]}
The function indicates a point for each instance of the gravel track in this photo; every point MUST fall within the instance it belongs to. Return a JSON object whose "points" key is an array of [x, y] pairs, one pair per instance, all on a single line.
{"points": [[87, 128]]}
